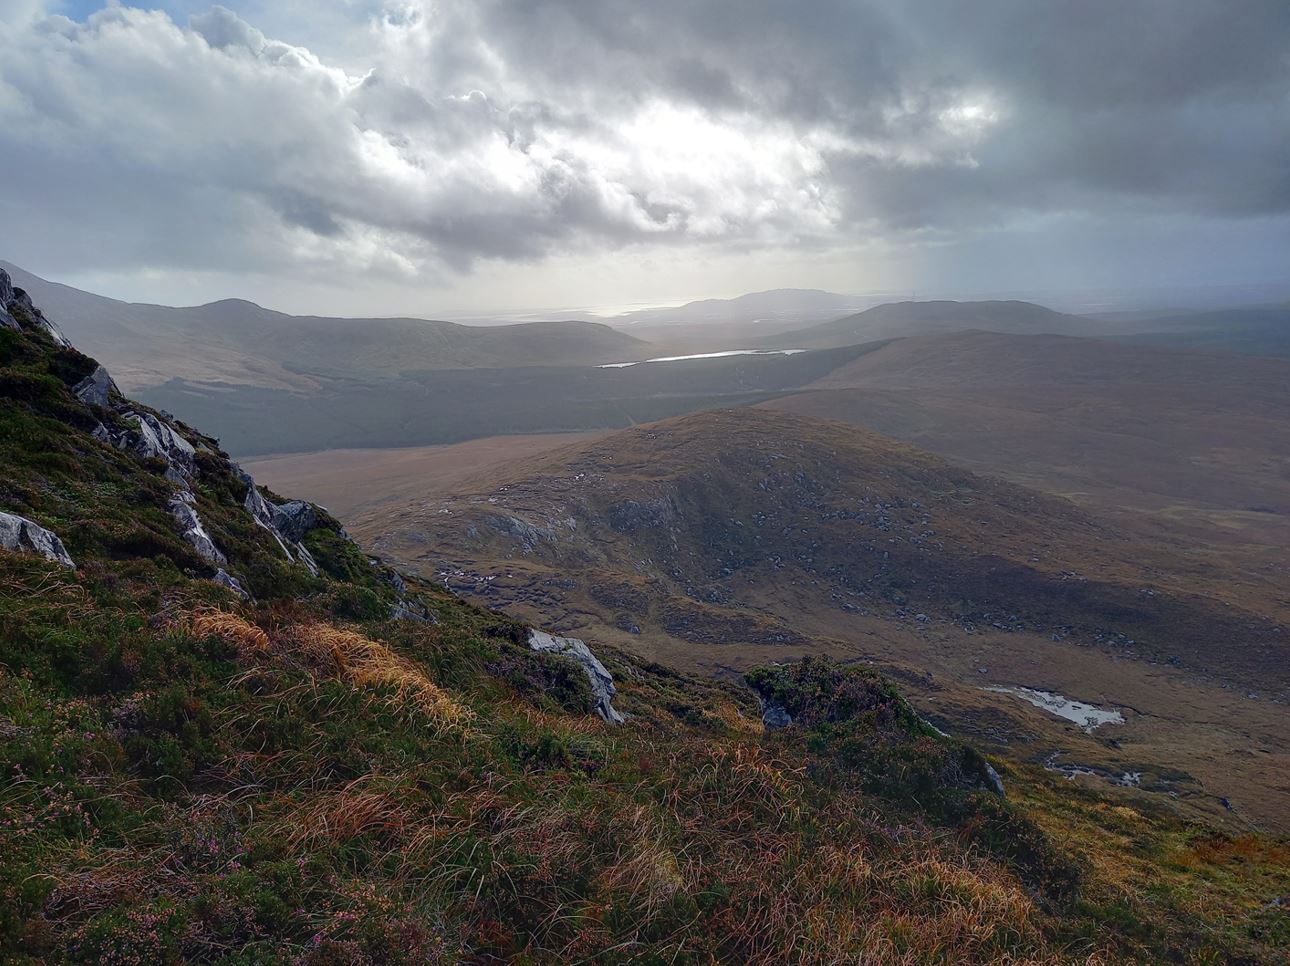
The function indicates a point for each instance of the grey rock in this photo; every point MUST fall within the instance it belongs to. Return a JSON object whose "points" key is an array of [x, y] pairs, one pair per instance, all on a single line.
{"points": [[6, 289], [20, 534], [19, 297], [298, 516], [405, 609], [294, 519], [255, 503], [94, 389], [775, 716], [225, 579], [190, 527], [602, 682], [996, 783], [306, 559], [7, 321], [154, 438]]}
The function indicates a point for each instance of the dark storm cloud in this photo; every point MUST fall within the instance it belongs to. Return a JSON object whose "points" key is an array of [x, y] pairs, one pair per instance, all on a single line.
{"points": [[502, 128]]}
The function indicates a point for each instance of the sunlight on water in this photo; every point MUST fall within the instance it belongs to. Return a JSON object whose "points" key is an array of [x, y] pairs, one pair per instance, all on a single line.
{"points": [[1087, 716], [706, 355]]}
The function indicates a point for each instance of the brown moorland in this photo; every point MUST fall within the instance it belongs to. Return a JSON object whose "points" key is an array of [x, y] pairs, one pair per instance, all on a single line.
{"points": [[721, 540]]}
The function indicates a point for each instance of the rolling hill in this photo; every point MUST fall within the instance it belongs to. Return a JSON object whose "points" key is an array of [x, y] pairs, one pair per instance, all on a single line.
{"points": [[1253, 330], [238, 342], [726, 538], [898, 319], [1115, 425]]}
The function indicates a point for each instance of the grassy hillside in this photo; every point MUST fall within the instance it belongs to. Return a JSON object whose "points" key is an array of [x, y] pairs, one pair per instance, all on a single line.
{"points": [[898, 319], [1147, 427], [344, 767]]}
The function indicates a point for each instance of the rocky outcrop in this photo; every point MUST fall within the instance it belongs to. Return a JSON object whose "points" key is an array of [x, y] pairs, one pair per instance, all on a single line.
{"points": [[294, 519], [7, 321], [181, 507], [602, 682], [154, 439], [96, 388], [225, 579], [15, 304], [20, 534], [268, 515]]}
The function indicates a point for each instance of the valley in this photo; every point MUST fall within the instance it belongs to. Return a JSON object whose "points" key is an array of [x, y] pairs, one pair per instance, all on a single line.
{"points": [[722, 540]]}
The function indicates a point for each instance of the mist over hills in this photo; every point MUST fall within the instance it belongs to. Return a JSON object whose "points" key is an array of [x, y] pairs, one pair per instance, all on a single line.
{"points": [[240, 342], [782, 304], [898, 319], [1253, 330]]}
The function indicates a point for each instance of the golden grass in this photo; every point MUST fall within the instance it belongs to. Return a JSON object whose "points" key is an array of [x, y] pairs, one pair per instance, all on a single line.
{"points": [[241, 633], [367, 663]]}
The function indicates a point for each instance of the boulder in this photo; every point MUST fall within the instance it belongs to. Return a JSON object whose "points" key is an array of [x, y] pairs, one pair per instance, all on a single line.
{"points": [[994, 781], [775, 716], [225, 579], [95, 388], [20, 534], [602, 682]]}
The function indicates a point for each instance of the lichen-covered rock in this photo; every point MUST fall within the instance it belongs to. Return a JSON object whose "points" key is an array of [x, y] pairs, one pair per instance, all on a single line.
{"points": [[602, 682], [20, 534], [95, 389]]}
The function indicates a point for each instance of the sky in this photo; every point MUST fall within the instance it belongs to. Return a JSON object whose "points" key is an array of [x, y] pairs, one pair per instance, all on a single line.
{"points": [[413, 157]]}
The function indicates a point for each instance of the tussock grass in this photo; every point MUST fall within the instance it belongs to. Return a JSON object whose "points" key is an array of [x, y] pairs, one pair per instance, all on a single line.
{"points": [[238, 631], [369, 664]]}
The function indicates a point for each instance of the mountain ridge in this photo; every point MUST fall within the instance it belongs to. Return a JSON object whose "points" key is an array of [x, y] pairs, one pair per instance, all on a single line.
{"points": [[238, 341]]}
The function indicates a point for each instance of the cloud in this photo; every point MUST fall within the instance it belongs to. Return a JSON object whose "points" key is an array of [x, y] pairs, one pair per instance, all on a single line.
{"points": [[417, 138]]}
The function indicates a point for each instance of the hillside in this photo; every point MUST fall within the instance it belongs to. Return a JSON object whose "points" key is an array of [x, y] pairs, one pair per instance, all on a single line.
{"points": [[722, 539], [1254, 330], [449, 405], [238, 342], [1113, 425], [229, 734], [898, 319]]}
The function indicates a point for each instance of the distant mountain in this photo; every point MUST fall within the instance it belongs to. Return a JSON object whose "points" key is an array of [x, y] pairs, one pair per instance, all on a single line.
{"points": [[1142, 426], [1256, 330], [896, 319], [776, 305], [239, 342]]}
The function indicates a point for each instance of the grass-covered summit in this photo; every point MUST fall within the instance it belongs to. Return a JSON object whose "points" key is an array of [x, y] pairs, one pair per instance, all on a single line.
{"points": [[255, 744]]}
